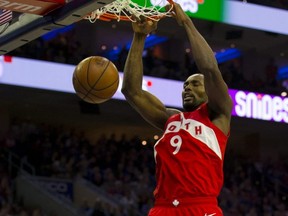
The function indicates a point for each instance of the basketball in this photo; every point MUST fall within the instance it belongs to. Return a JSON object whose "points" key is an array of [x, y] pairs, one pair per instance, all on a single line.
{"points": [[95, 79]]}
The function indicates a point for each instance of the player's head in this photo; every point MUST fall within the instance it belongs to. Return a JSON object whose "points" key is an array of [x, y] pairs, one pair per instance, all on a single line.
{"points": [[193, 94]]}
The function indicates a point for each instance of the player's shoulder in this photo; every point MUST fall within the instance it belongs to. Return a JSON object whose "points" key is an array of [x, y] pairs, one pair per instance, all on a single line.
{"points": [[172, 111]]}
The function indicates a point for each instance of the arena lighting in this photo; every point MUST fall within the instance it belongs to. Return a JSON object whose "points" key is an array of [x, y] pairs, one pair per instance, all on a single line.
{"points": [[282, 73], [156, 137], [112, 54], [41, 74], [52, 34], [151, 40], [255, 16], [227, 55]]}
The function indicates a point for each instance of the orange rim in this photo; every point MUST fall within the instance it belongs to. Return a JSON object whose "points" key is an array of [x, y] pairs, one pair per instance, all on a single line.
{"points": [[109, 17]]}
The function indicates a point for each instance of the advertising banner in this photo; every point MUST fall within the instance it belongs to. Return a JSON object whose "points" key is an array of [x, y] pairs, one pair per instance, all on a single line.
{"points": [[31, 6], [239, 13], [41, 74], [60, 188]]}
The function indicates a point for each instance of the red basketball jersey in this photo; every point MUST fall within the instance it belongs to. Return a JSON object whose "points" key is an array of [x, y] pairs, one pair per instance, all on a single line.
{"points": [[189, 157]]}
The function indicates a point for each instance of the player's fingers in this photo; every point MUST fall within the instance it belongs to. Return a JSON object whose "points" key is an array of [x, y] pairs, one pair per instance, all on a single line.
{"points": [[176, 8], [168, 7], [140, 20], [155, 26], [150, 23], [134, 18]]}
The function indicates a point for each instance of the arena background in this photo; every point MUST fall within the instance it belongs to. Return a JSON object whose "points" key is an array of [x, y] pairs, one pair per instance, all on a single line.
{"points": [[256, 141]]}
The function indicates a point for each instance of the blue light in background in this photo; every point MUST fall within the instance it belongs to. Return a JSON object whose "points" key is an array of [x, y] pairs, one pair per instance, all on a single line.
{"points": [[282, 73], [227, 55], [151, 41], [113, 54], [54, 33]]}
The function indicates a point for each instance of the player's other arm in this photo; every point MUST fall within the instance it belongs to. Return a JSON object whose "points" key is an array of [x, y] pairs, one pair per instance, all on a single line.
{"points": [[149, 106], [219, 100]]}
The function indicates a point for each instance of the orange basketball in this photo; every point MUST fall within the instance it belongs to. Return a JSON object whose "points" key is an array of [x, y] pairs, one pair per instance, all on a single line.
{"points": [[95, 79]]}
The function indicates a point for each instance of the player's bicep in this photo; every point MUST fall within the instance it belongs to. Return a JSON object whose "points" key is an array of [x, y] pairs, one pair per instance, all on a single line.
{"points": [[217, 91], [150, 108]]}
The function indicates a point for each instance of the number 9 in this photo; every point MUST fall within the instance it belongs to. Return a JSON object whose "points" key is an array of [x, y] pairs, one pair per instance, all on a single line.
{"points": [[176, 142]]}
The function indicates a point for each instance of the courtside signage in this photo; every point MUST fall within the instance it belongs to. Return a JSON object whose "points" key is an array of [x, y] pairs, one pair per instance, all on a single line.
{"points": [[18, 6], [259, 106], [203, 9], [58, 77], [232, 12], [255, 16], [39, 7]]}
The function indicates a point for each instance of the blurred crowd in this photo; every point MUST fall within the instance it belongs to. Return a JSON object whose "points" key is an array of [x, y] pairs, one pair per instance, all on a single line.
{"points": [[65, 48], [8, 205], [124, 169]]}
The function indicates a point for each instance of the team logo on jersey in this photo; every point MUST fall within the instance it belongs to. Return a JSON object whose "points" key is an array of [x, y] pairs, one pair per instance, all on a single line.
{"points": [[196, 129], [210, 214], [175, 202]]}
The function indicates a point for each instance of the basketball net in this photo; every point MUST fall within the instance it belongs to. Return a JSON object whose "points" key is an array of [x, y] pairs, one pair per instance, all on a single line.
{"points": [[126, 10]]}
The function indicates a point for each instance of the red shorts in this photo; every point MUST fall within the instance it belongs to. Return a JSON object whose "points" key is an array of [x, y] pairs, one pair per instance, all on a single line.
{"points": [[198, 206]]}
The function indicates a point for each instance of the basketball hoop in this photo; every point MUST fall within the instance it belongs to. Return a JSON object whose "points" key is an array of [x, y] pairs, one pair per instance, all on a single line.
{"points": [[126, 10]]}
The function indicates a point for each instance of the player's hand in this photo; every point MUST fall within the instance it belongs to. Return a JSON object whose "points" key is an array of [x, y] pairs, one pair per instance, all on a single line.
{"points": [[178, 13], [144, 26]]}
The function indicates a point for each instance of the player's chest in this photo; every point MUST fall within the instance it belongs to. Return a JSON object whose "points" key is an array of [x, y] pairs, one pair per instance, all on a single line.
{"points": [[187, 137]]}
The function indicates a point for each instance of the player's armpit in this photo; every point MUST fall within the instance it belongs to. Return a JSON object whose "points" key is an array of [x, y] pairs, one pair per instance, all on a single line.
{"points": [[150, 108]]}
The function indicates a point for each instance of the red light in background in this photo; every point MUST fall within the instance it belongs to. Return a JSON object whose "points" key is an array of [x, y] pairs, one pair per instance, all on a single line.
{"points": [[149, 83], [7, 58]]}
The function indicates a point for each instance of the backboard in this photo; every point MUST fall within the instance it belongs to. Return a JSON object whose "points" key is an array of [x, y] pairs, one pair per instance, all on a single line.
{"points": [[25, 27]]}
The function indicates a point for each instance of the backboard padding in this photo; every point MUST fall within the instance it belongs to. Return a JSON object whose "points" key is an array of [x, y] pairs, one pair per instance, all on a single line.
{"points": [[30, 27]]}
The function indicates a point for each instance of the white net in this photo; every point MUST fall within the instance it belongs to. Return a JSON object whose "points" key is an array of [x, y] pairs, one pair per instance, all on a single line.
{"points": [[128, 10]]}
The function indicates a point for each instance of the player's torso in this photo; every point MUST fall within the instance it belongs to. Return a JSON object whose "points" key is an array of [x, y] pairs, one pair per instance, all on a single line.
{"points": [[189, 157]]}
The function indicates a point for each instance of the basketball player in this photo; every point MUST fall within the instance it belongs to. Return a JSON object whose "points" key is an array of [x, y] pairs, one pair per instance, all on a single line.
{"points": [[189, 156]]}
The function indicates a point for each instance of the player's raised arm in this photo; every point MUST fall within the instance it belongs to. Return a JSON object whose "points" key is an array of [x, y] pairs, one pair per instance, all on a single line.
{"points": [[219, 101], [149, 106]]}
